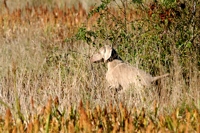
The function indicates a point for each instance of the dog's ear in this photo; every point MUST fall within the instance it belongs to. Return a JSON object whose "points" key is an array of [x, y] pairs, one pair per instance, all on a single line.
{"points": [[108, 52]]}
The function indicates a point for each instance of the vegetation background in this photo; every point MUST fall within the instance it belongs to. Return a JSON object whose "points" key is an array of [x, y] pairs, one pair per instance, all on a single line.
{"points": [[45, 50]]}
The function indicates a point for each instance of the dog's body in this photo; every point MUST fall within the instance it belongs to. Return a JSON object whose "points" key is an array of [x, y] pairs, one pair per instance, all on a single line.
{"points": [[121, 74]]}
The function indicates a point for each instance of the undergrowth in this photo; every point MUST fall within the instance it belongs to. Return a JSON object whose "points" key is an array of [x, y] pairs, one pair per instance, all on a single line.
{"points": [[45, 52]]}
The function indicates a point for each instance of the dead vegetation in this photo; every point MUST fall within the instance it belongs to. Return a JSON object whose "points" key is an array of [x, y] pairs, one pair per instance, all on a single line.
{"points": [[41, 59], [108, 119]]}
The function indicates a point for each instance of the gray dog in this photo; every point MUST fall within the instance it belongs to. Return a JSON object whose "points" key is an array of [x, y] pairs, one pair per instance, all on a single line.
{"points": [[121, 74]]}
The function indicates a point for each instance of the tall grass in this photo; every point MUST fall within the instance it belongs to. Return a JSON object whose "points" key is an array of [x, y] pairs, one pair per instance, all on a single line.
{"points": [[45, 53], [159, 37]]}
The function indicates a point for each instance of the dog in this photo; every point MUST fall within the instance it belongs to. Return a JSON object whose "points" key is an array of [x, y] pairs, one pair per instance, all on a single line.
{"points": [[120, 74]]}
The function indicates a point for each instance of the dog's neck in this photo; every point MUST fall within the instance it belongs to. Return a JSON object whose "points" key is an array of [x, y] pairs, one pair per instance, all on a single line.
{"points": [[114, 63], [114, 60], [114, 56]]}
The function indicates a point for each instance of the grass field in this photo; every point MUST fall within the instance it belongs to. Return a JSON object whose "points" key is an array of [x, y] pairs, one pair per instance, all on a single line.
{"points": [[48, 84]]}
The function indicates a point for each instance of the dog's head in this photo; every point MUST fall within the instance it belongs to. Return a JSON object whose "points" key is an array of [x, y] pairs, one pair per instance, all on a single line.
{"points": [[105, 54]]}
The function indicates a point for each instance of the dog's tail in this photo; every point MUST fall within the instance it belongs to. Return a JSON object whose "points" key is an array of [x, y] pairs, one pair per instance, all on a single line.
{"points": [[159, 77]]}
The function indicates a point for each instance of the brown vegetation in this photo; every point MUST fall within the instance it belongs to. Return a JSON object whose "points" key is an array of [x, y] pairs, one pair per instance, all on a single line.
{"points": [[110, 119], [40, 59]]}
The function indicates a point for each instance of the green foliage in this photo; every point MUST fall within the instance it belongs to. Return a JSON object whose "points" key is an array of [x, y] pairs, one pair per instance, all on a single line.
{"points": [[85, 35], [168, 2], [137, 1], [101, 7], [153, 38]]}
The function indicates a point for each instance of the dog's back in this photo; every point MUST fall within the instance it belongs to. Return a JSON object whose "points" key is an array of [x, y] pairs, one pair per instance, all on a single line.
{"points": [[120, 73]]}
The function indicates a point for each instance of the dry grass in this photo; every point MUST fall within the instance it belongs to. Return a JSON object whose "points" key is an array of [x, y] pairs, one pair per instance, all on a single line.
{"points": [[36, 63], [108, 119]]}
